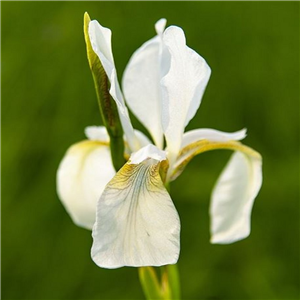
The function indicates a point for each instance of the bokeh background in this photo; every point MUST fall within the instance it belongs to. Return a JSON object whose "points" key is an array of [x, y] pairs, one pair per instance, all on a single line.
{"points": [[48, 98]]}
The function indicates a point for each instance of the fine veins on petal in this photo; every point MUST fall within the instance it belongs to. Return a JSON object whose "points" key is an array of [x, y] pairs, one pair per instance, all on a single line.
{"points": [[137, 223]]}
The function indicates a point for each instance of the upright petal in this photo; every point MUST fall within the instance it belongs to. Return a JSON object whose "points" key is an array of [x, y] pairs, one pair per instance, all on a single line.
{"points": [[81, 178], [100, 38], [141, 85], [183, 87], [137, 223], [233, 198], [143, 139]]}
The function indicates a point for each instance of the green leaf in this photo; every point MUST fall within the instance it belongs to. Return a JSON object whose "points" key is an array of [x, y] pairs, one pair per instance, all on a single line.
{"points": [[91, 55], [107, 105]]}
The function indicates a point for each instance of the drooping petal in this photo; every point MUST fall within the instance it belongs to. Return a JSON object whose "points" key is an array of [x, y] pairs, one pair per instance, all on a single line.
{"points": [[183, 87], [100, 38], [200, 140], [137, 223], [141, 84], [237, 187], [233, 198], [211, 135], [81, 178]]}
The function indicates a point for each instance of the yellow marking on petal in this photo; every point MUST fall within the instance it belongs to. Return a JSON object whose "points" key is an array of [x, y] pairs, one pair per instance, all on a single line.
{"points": [[88, 143], [191, 150], [143, 171], [137, 223], [92, 144], [85, 147], [163, 171]]}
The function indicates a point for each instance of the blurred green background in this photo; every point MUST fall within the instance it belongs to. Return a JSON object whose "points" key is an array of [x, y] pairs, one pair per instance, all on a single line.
{"points": [[48, 98]]}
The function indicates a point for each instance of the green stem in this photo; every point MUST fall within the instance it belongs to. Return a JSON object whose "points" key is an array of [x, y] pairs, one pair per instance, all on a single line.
{"points": [[165, 288], [173, 282], [150, 283]]}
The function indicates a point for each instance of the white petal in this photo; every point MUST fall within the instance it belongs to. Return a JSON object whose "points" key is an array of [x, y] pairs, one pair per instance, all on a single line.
{"points": [[100, 38], [233, 198], [160, 26], [143, 139], [211, 135], [81, 178], [137, 223], [141, 85], [96, 133], [150, 151], [99, 133], [183, 87]]}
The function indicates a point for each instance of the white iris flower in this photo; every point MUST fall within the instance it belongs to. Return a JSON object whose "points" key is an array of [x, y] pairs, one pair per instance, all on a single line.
{"points": [[133, 218]]}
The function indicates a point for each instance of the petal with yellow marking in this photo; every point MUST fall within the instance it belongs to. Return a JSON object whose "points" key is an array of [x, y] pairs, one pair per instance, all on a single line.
{"points": [[81, 178], [137, 223], [236, 189]]}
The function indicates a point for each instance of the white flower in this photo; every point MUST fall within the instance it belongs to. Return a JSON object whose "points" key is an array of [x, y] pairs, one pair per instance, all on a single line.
{"points": [[134, 220]]}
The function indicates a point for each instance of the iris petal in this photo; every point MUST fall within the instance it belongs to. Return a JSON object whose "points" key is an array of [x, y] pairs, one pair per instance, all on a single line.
{"points": [[81, 178], [141, 85], [183, 86], [236, 189], [201, 140], [137, 223], [212, 135], [233, 198]]}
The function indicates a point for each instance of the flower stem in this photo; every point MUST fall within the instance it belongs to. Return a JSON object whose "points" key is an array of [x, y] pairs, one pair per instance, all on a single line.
{"points": [[170, 279], [165, 288]]}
